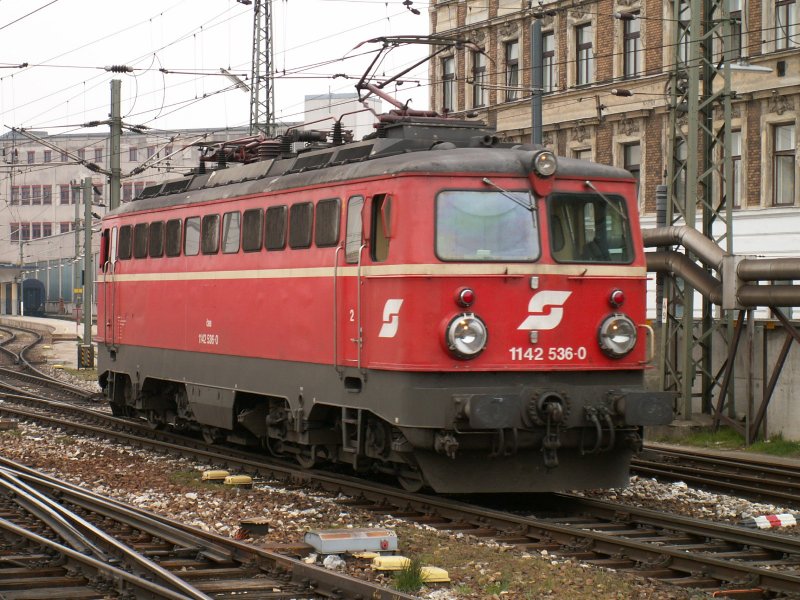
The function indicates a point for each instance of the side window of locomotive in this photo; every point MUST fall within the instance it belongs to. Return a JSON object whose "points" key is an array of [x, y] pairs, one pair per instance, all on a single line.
{"points": [[191, 240], [486, 226], [125, 241], [252, 229], [174, 237], [327, 228], [301, 220], [381, 224], [589, 228], [353, 235], [104, 245], [276, 227], [230, 232], [210, 234], [140, 240], [156, 242]]}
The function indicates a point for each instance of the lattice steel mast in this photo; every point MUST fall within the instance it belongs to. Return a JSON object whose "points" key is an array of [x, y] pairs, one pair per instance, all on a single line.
{"points": [[262, 94], [699, 151]]}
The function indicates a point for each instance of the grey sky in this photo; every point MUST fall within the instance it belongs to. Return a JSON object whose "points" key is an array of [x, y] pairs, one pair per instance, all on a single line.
{"points": [[68, 42]]}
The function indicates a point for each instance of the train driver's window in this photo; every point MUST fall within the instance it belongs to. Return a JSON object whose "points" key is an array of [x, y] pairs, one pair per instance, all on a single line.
{"points": [[353, 234], [191, 240], [276, 228], [210, 234], [589, 228], [156, 242], [230, 232], [125, 242], [173, 237], [252, 229], [326, 232], [113, 249], [381, 224], [301, 222]]}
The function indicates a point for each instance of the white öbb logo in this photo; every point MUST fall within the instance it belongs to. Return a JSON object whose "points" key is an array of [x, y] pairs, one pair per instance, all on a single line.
{"points": [[391, 317], [541, 320]]}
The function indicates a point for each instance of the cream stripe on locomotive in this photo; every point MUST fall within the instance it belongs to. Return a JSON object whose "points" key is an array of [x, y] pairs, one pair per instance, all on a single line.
{"points": [[616, 271]]}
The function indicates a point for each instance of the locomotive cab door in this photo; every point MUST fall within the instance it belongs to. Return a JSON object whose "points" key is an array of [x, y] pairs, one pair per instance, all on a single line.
{"points": [[347, 293]]}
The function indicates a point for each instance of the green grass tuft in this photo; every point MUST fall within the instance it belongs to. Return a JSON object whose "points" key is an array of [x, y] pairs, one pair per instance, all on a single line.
{"points": [[409, 578]]}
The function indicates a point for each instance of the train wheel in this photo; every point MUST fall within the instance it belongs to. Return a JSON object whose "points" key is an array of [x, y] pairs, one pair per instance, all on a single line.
{"points": [[411, 481], [307, 456], [212, 435]]}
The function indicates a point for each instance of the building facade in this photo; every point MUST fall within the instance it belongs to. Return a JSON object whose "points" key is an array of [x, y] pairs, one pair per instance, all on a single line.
{"points": [[595, 50], [42, 203]]}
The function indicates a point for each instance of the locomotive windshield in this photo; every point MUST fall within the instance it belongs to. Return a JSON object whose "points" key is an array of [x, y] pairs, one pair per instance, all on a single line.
{"points": [[486, 226], [589, 228]]}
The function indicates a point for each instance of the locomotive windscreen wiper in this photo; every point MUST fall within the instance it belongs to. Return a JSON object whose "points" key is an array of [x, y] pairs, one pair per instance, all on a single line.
{"points": [[590, 185], [528, 206]]}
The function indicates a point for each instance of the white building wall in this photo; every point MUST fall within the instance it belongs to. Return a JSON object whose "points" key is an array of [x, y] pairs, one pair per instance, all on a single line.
{"points": [[320, 106]]}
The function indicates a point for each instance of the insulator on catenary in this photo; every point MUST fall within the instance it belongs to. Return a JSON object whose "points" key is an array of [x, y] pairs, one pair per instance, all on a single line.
{"points": [[119, 69]]}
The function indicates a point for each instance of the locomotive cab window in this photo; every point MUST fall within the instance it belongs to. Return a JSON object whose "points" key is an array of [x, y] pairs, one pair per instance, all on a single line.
{"points": [[125, 239], [173, 237], [381, 223], [252, 229], [589, 228], [486, 226], [353, 235], [276, 228], [191, 241], [230, 232], [210, 234], [156, 241]]}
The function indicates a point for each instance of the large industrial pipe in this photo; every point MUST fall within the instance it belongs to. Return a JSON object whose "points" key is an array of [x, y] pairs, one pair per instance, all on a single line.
{"points": [[768, 295], [768, 269], [669, 261], [706, 250]]}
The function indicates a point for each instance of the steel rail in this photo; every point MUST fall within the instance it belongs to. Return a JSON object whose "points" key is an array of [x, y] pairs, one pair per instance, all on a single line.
{"points": [[450, 514]]}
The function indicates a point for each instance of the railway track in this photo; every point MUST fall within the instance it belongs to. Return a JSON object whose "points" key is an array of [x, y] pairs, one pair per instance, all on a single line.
{"points": [[741, 475], [679, 550], [19, 373], [62, 541]]}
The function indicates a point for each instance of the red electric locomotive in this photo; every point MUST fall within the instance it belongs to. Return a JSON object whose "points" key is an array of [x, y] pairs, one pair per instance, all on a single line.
{"points": [[429, 303]]}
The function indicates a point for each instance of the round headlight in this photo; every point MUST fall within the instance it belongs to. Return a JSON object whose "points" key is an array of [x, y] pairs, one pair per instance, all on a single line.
{"points": [[617, 336], [466, 336], [544, 163]]}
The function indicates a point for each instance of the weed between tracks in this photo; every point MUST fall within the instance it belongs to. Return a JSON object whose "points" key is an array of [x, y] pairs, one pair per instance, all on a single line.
{"points": [[729, 439]]}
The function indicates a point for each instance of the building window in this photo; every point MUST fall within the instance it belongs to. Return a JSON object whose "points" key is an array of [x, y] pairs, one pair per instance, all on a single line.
{"points": [[36, 230], [64, 226], [582, 153], [633, 46], [63, 157], [14, 194], [478, 79], [127, 192], [76, 194], [14, 232], [31, 157], [632, 161], [684, 21], [736, 175], [47, 229], [36, 194], [138, 188], [733, 49], [584, 61], [787, 28], [47, 194], [82, 154], [448, 83], [548, 62], [512, 70], [151, 150], [63, 193], [783, 175], [25, 194], [48, 156], [132, 154], [98, 155], [25, 231]]}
